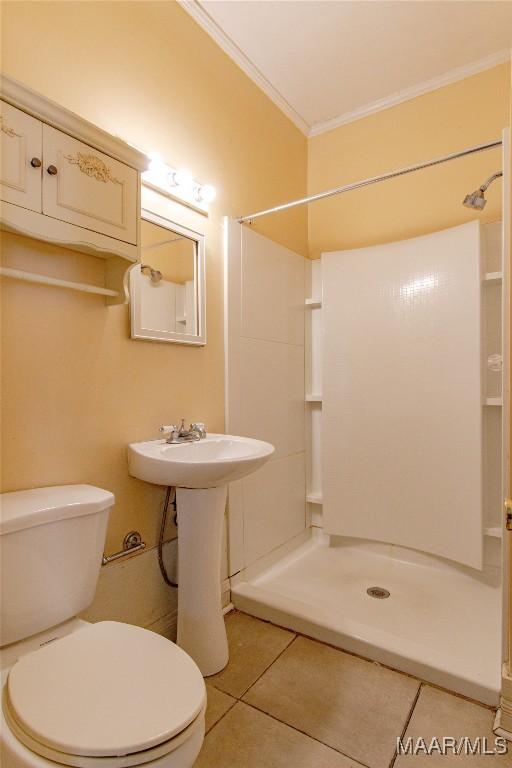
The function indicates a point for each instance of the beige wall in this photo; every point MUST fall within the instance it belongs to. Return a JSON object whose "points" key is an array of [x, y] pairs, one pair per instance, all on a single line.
{"points": [[466, 113], [75, 389]]}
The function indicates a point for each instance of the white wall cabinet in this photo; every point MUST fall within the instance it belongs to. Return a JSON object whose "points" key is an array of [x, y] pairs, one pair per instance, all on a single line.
{"points": [[84, 186], [22, 150], [66, 181]]}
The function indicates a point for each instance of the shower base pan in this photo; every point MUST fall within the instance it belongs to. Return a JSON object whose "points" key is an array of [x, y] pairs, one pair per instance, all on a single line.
{"points": [[441, 622]]}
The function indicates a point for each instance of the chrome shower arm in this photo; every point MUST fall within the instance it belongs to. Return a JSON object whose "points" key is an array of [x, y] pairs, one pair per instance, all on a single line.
{"points": [[490, 180]]}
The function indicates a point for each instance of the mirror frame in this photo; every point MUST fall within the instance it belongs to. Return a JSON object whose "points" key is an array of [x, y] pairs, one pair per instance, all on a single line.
{"points": [[198, 339]]}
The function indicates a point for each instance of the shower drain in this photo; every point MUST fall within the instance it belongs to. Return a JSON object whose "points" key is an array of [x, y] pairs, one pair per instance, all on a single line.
{"points": [[378, 592]]}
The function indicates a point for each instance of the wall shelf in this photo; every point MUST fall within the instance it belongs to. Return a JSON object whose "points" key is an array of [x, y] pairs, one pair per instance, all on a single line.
{"points": [[313, 303], [313, 398], [498, 401], [493, 278], [34, 277]]}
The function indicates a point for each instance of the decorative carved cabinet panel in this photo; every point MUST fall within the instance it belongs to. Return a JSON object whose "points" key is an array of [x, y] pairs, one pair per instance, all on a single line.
{"points": [[21, 145], [87, 188]]}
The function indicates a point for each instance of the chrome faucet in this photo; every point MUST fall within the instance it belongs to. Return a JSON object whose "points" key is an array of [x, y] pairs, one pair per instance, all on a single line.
{"points": [[196, 431]]}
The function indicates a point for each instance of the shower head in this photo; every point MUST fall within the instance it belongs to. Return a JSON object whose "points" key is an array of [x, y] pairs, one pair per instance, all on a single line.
{"points": [[476, 199], [154, 274]]}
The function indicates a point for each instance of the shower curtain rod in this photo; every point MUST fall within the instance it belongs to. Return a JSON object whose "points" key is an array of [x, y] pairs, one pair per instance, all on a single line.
{"points": [[371, 180]]}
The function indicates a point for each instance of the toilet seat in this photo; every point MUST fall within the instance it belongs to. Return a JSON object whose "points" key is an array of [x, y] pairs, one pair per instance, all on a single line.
{"points": [[194, 731], [111, 694]]}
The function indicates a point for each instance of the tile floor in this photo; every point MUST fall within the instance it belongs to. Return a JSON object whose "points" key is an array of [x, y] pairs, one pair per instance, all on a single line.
{"points": [[285, 701]]}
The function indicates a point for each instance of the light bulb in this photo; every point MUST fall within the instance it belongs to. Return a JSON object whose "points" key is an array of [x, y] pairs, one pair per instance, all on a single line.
{"points": [[184, 179], [207, 193], [155, 161]]}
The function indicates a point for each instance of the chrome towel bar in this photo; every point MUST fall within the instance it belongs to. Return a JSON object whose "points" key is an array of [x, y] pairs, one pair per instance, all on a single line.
{"points": [[132, 543]]}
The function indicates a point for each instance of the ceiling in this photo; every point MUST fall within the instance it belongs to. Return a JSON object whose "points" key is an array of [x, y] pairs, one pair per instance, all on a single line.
{"points": [[327, 62]]}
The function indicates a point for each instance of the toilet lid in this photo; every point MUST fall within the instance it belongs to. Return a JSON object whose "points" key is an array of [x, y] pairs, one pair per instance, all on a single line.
{"points": [[107, 690]]}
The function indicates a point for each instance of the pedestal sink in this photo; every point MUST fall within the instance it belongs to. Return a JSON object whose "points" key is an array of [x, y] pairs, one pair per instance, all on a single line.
{"points": [[200, 472]]}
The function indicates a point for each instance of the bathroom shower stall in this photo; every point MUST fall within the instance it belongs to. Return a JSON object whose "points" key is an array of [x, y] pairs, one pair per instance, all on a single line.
{"points": [[381, 376]]}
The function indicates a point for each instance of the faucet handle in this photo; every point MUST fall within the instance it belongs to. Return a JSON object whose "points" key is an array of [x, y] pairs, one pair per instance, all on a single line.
{"points": [[198, 426], [167, 428]]}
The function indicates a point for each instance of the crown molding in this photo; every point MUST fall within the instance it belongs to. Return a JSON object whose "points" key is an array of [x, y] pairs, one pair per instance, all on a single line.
{"points": [[203, 18], [452, 76]]}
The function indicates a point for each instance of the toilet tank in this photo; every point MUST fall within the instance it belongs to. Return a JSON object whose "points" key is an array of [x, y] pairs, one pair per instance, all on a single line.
{"points": [[51, 544]]}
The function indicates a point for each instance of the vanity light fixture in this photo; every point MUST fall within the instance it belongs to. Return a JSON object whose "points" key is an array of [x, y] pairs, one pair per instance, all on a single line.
{"points": [[155, 160], [205, 194], [182, 178], [178, 184]]}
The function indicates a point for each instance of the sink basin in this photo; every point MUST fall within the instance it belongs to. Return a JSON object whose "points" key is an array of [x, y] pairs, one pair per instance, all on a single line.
{"points": [[208, 463]]}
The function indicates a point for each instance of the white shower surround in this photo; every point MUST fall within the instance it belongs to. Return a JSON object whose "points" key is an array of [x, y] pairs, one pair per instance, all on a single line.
{"points": [[402, 393], [264, 326], [443, 621]]}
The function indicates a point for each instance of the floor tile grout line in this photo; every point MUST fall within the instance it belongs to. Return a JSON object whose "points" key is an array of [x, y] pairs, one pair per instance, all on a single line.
{"points": [[358, 656], [382, 664], [408, 720], [246, 690], [288, 645], [296, 635], [274, 717], [308, 735], [235, 701], [287, 725], [239, 698]]}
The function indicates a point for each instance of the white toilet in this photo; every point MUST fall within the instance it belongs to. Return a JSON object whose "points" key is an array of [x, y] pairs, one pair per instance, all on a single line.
{"points": [[74, 693]]}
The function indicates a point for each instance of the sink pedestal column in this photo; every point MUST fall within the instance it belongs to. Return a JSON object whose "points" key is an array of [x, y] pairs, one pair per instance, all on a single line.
{"points": [[201, 629]]}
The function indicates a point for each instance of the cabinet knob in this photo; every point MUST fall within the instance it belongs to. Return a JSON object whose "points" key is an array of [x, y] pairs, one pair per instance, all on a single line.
{"points": [[35, 162], [52, 170]]}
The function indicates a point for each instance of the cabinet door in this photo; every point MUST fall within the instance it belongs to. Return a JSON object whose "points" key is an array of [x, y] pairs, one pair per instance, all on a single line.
{"points": [[87, 188], [21, 143]]}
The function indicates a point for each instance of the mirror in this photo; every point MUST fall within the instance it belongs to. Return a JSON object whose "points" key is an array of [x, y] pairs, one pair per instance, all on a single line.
{"points": [[167, 287]]}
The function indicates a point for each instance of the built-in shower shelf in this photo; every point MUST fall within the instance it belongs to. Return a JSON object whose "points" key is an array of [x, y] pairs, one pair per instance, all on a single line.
{"points": [[493, 278], [313, 398], [315, 498], [494, 401], [493, 531], [313, 303]]}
